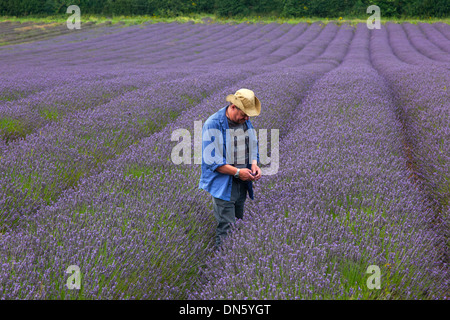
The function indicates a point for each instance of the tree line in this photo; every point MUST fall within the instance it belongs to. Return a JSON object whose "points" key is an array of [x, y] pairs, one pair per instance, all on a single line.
{"points": [[231, 8]]}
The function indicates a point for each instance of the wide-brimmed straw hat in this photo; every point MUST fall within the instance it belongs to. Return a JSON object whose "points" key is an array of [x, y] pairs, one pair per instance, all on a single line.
{"points": [[245, 100]]}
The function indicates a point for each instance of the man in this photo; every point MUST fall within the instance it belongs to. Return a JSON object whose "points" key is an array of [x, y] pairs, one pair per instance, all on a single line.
{"points": [[230, 158]]}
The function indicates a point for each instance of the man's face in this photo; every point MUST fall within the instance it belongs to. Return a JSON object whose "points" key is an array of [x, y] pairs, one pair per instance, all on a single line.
{"points": [[237, 115]]}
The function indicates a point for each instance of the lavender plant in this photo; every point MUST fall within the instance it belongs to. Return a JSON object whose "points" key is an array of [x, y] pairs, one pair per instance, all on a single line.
{"points": [[435, 36]]}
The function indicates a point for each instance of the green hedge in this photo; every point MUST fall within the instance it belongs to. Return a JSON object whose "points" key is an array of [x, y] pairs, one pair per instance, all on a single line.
{"points": [[232, 8]]}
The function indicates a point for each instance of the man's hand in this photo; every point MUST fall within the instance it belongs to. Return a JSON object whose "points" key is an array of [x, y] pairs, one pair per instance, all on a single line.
{"points": [[256, 171], [246, 175]]}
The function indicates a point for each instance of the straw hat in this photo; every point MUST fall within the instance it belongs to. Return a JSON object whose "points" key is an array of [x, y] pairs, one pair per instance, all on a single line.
{"points": [[245, 100]]}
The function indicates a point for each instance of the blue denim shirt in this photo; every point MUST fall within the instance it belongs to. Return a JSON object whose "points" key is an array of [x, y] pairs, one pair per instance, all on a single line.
{"points": [[214, 133]]}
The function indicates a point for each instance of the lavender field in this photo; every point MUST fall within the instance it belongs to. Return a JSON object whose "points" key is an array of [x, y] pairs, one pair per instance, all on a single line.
{"points": [[86, 176]]}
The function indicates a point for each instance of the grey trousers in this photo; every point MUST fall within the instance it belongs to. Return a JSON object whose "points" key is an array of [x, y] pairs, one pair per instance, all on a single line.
{"points": [[226, 212]]}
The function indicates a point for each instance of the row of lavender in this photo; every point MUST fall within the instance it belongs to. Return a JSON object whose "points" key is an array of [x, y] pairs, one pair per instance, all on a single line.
{"points": [[341, 203], [137, 235], [420, 83]]}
